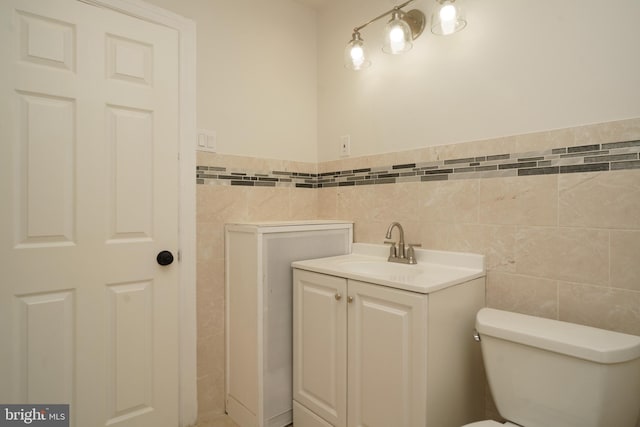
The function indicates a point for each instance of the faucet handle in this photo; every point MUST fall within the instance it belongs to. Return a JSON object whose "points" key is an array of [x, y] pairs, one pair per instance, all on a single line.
{"points": [[411, 255], [392, 248]]}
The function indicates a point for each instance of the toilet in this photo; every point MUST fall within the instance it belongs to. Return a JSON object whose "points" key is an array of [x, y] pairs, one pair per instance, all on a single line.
{"points": [[547, 373]]}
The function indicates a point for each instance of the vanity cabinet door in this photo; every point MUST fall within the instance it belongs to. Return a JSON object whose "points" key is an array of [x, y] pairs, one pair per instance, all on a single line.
{"points": [[320, 345], [387, 347]]}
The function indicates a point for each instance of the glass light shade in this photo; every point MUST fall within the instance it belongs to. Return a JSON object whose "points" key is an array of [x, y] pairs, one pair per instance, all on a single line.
{"points": [[397, 35], [355, 54], [448, 18]]}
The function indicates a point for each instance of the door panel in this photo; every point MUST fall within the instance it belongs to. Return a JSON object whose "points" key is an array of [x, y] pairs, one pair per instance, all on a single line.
{"points": [[130, 142], [44, 170], [386, 329], [88, 197], [45, 340], [320, 351]]}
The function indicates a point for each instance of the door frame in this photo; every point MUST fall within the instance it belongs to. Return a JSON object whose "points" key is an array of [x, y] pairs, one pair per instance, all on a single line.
{"points": [[186, 28]]}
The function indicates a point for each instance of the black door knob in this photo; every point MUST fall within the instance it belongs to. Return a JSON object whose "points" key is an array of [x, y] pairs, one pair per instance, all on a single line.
{"points": [[164, 258]]}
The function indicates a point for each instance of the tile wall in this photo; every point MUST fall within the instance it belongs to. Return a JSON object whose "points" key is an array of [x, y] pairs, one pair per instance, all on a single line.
{"points": [[559, 244], [217, 205]]}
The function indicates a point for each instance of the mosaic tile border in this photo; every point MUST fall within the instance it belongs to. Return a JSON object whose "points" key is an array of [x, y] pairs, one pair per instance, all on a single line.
{"points": [[584, 158]]}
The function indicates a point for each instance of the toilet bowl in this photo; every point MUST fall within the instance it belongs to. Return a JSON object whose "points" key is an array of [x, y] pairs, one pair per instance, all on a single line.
{"points": [[544, 372]]}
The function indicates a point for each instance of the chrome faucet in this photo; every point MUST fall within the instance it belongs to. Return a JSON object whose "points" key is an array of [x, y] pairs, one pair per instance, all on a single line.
{"points": [[400, 253]]}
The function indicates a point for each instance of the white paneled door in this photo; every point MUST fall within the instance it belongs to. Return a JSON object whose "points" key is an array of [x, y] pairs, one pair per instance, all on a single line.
{"points": [[88, 198]]}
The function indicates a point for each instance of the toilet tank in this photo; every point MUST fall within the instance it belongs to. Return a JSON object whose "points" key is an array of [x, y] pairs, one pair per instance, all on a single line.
{"points": [[545, 373]]}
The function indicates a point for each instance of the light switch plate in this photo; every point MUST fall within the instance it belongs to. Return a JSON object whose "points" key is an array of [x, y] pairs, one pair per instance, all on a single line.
{"points": [[207, 140], [345, 145]]}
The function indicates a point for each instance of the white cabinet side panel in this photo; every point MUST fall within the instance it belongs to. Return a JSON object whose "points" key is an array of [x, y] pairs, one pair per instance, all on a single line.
{"points": [[454, 357], [258, 286], [280, 250], [241, 319]]}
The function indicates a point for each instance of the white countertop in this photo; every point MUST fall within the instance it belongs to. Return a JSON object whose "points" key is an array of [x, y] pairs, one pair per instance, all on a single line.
{"points": [[435, 270]]}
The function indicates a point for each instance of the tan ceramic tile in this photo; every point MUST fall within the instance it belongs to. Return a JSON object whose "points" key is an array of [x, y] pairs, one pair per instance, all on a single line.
{"points": [[623, 130], [329, 166], [449, 201], [483, 147], [404, 157], [497, 243], [327, 203], [394, 202], [369, 231], [207, 407], [601, 307], [435, 236], [356, 203], [541, 141], [519, 200], [384, 159], [534, 296], [221, 203], [606, 199], [303, 203], [625, 260], [464, 238], [304, 167], [209, 241], [268, 203], [359, 163], [206, 351], [412, 232], [373, 231], [217, 371], [457, 151], [342, 164], [210, 298], [572, 254], [427, 154], [210, 381], [229, 161], [494, 146]]}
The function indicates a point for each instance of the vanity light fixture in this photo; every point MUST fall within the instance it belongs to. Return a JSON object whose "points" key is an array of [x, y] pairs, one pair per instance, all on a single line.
{"points": [[448, 18], [402, 29]]}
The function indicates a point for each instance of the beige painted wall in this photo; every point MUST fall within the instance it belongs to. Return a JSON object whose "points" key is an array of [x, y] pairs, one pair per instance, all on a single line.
{"points": [[256, 72], [275, 111], [519, 67], [271, 81]]}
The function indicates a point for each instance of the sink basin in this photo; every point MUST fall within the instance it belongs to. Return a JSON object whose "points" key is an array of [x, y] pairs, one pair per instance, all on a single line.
{"points": [[383, 268], [368, 262]]}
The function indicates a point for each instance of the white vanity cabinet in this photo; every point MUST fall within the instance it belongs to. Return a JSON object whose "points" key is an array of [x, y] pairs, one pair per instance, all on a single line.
{"points": [[371, 355], [258, 312]]}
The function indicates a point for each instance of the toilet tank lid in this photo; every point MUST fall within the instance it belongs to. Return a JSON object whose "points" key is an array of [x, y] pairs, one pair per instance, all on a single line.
{"points": [[584, 342]]}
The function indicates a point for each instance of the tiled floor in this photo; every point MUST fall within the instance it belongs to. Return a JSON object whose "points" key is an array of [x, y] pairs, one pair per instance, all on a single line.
{"points": [[221, 421]]}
